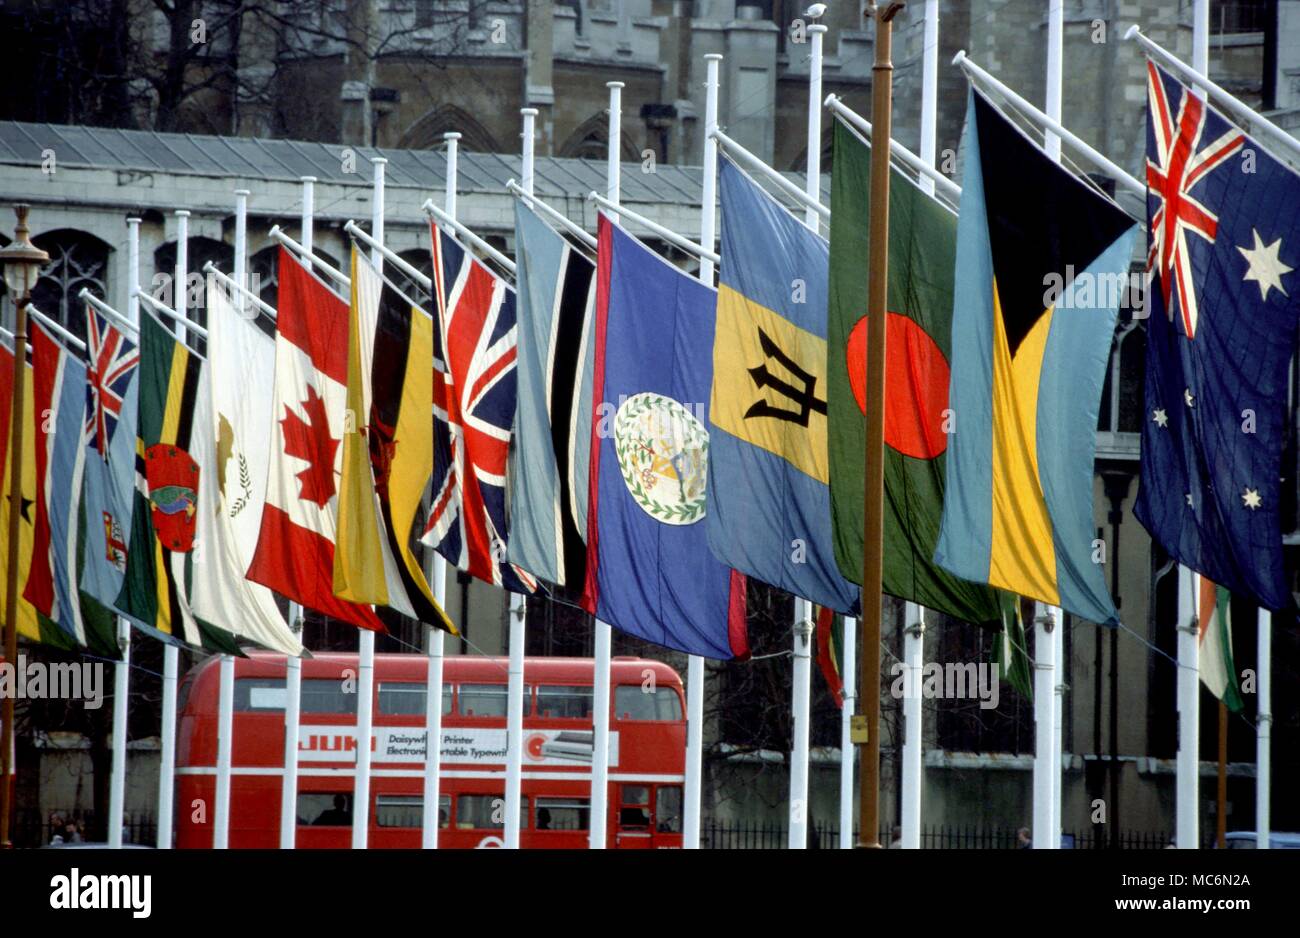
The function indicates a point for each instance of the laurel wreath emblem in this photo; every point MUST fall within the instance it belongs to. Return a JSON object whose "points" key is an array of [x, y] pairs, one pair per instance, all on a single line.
{"points": [[663, 452], [246, 483]]}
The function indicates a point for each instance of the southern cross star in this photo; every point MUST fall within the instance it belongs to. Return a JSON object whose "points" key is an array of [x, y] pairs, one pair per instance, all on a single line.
{"points": [[1251, 499], [1159, 417]]}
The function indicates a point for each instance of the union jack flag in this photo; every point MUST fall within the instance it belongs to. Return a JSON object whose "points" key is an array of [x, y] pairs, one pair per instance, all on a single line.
{"points": [[1181, 162], [474, 396], [112, 363]]}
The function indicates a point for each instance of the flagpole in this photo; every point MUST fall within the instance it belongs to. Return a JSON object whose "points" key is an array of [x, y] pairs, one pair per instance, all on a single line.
{"points": [[1221, 816], [366, 640], [225, 750], [435, 568], [171, 654], [848, 683], [1052, 144], [1186, 825], [1187, 832], [802, 627], [874, 490], [518, 617], [1263, 729], [913, 723], [604, 634], [1046, 760], [122, 670], [929, 111], [293, 665]]}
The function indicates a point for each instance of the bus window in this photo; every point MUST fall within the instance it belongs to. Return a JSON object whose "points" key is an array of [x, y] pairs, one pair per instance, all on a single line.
{"points": [[407, 699], [561, 814], [634, 809], [408, 811], [325, 809], [634, 702], [259, 693], [563, 702], [488, 700], [327, 695], [487, 812], [668, 809]]}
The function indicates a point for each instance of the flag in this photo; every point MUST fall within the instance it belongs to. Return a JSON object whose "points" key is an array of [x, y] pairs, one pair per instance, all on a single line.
{"points": [[769, 503], [1218, 671], [474, 397], [649, 569], [59, 381], [1010, 649], [1042, 258], [295, 545], [922, 247], [388, 459], [830, 651], [231, 450], [31, 624], [1224, 239], [548, 487], [171, 403], [108, 490]]}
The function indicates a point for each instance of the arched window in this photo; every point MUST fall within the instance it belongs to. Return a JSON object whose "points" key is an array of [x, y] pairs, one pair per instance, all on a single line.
{"points": [[77, 260], [200, 251], [590, 141], [426, 133]]}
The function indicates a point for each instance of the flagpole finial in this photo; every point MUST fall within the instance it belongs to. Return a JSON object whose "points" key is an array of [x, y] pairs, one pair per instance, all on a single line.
{"points": [[1132, 31], [959, 57]]}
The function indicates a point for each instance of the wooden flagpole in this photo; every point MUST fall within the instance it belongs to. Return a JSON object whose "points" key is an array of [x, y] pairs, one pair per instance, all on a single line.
{"points": [[867, 735], [1221, 815]]}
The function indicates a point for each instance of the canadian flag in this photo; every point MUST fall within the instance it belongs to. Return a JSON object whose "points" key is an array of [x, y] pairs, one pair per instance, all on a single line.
{"points": [[295, 549]]}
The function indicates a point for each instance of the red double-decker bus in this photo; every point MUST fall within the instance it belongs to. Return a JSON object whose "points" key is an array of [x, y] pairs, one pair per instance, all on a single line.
{"points": [[646, 752]]}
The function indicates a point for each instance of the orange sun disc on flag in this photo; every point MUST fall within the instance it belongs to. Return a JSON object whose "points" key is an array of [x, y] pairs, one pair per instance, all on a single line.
{"points": [[916, 379]]}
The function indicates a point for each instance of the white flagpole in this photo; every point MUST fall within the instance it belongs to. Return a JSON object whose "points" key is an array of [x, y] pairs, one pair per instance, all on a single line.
{"points": [[598, 816], [518, 618], [929, 98], [225, 730], [801, 694], [913, 662], [122, 670], [848, 679], [1187, 784], [691, 809], [1052, 144], [293, 666], [366, 664], [1046, 760], [1263, 729], [171, 654], [801, 633], [436, 570], [1201, 37]]}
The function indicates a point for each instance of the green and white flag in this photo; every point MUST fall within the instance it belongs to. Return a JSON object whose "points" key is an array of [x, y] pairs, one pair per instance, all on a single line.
{"points": [[1218, 671]]}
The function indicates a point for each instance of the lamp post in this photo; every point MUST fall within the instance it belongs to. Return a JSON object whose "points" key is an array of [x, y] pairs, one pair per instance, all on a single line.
{"points": [[22, 263]]}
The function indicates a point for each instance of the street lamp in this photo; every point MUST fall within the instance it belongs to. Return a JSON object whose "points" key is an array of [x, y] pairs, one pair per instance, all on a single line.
{"points": [[22, 262]]}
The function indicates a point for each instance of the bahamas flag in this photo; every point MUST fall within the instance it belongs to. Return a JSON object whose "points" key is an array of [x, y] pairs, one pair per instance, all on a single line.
{"points": [[769, 503], [1039, 258], [159, 555]]}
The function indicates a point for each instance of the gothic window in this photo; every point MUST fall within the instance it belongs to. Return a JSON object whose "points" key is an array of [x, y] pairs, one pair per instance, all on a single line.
{"points": [[77, 260]]}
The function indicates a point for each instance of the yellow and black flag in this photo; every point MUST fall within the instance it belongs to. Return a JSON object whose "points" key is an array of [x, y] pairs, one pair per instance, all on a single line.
{"points": [[1042, 257], [387, 450]]}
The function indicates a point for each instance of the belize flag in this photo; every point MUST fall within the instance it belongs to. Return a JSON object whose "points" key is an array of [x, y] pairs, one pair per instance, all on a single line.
{"points": [[1224, 258], [649, 568]]}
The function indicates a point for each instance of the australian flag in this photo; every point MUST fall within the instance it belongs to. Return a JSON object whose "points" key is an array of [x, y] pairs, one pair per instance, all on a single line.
{"points": [[1224, 296]]}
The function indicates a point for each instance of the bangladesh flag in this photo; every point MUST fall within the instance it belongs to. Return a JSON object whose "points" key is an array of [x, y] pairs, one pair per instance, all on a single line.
{"points": [[922, 252]]}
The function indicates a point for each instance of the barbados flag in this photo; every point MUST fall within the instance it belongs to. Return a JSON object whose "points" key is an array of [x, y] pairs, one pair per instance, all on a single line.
{"points": [[769, 503], [1041, 260]]}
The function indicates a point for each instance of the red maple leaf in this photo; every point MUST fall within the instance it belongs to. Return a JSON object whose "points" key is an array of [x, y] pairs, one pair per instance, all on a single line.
{"points": [[313, 443]]}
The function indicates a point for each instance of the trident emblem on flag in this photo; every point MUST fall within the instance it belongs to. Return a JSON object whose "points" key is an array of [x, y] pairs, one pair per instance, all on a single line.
{"points": [[803, 398]]}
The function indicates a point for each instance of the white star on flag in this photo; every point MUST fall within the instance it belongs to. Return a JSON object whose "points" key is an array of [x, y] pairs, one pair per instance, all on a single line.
{"points": [[1189, 499], [1159, 417], [1189, 397], [1251, 499], [1266, 268]]}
